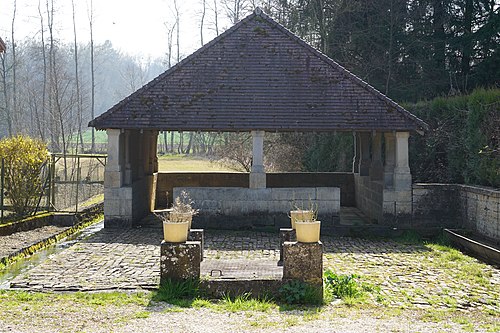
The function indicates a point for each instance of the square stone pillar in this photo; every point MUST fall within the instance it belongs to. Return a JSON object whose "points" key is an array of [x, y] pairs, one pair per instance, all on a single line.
{"points": [[364, 162], [257, 173], [390, 159], [180, 261], [113, 171], [402, 175], [303, 262], [127, 177], [376, 167]]}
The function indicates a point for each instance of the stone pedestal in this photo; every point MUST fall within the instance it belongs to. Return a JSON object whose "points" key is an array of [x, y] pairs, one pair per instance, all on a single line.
{"points": [[180, 261], [197, 235], [304, 262], [286, 235]]}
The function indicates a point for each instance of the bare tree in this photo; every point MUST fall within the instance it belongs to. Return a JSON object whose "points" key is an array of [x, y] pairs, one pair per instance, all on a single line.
{"points": [[236, 9], [92, 72], [7, 111], [79, 101], [13, 112], [41, 120], [202, 19], [177, 25]]}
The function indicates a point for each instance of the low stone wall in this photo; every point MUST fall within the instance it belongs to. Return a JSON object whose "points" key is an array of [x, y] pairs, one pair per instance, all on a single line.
{"points": [[166, 181], [457, 206], [52, 218], [369, 196], [237, 208]]}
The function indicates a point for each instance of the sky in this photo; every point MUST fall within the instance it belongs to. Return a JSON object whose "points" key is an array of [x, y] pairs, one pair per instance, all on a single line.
{"points": [[134, 27]]}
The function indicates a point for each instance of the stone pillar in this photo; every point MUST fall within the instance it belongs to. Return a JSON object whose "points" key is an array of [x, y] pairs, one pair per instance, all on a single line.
{"points": [[364, 163], [402, 175], [376, 167], [304, 262], [180, 261], [257, 174], [127, 179], [113, 170], [117, 197], [402, 179], [357, 151], [390, 158]]}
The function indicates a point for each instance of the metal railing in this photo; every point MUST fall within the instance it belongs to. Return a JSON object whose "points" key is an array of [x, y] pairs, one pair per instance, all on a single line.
{"points": [[70, 183]]}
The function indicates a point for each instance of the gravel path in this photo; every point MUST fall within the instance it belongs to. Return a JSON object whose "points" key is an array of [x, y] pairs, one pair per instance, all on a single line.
{"points": [[165, 318]]}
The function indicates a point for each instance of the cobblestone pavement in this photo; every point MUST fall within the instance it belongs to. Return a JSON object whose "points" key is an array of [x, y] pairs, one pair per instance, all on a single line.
{"points": [[405, 274]]}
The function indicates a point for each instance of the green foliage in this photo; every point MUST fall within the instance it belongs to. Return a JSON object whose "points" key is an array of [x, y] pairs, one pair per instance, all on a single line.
{"points": [[342, 286], [346, 287], [463, 145], [177, 291], [24, 158], [298, 292], [246, 302], [328, 152]]}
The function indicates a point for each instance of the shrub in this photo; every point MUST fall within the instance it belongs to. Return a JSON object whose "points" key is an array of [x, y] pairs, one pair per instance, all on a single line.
{"points": [[24, 158], [298, 292]]}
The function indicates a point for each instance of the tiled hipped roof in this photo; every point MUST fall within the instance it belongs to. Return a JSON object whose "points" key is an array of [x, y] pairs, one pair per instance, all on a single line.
{"points": [[258, 76]]}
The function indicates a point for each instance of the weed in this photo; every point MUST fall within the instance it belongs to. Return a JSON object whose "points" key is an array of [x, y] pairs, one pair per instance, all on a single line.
{"points": [[177, 292], [246, 303], [298, 292], [342, 286], [142, 314]]}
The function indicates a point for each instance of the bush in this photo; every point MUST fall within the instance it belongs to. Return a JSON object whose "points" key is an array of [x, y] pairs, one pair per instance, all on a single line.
{"points": [[23, 158], [463, 145]]}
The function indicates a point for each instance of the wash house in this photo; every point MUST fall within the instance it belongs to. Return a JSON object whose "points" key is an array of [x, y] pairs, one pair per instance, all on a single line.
{"points": [[259, 77]]}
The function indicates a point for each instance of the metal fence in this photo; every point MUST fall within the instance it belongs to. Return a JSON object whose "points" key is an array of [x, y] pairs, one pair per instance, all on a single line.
{"points": [[70, 183]]}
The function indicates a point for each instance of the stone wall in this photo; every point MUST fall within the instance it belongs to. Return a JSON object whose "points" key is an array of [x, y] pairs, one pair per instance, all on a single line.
{"points": [[369, 196], [457, 206], [166, 181], [236, 208]]}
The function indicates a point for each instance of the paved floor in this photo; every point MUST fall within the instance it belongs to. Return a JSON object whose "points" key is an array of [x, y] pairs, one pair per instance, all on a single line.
{"points": [[129, 259]]}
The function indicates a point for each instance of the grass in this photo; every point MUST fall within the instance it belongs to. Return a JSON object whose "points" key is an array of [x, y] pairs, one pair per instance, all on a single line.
{"points": [[189, 163]]}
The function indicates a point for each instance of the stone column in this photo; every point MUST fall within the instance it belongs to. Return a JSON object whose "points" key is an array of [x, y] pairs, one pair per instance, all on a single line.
{"points": [[117, 197], [127, 179], [402, 175], [357, 151], [402, 179], [390, 158], [113, 171], [257, 174], [376, 167], [364, 163]]}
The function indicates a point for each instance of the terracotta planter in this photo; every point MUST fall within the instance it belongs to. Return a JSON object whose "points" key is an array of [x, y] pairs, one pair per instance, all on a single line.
{"points": [[181, 217], [175, 232], [307, 232], [300, 215]]}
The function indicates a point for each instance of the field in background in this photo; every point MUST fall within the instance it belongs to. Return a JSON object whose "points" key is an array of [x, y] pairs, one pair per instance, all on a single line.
{"points": [[186, 163]]}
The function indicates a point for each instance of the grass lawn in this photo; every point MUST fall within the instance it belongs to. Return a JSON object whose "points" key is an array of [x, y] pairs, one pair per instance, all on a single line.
{"points": [[189, 163]]}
